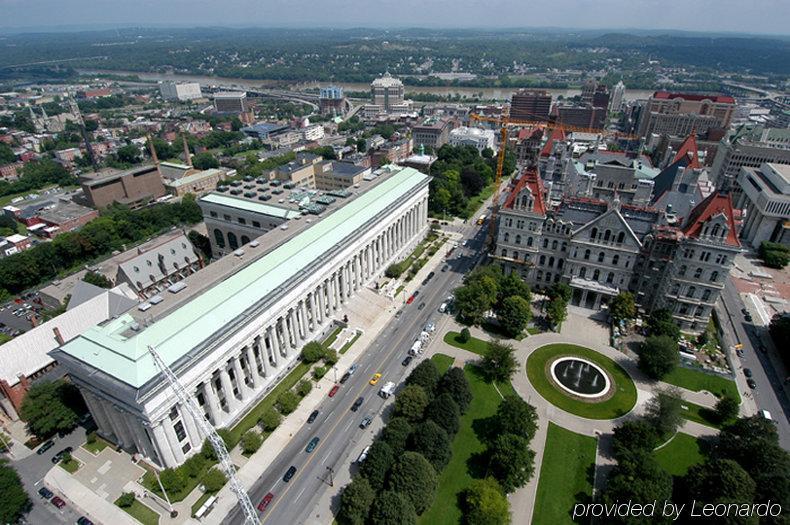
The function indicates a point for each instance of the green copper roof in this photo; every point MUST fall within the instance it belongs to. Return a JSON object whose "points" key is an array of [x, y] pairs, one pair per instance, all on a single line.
{"points": [[127, 358], [251, 206]]}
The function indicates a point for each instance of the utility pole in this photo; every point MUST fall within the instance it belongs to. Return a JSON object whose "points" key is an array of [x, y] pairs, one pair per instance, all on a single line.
{"points": [[250, 514]]}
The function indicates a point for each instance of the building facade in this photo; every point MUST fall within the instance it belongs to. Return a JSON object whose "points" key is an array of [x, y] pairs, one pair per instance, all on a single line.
{"points": [[432, 133], [749, 148], [477, 137], [530, 105], [230, 102], [601, 248], [680, 113], [158, 267], [387, 92], [134, 187], [232, 343], [765, 197], [182, 91]]}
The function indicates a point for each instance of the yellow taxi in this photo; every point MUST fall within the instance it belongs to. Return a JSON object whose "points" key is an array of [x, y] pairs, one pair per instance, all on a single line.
{"points": [[375, 379]]}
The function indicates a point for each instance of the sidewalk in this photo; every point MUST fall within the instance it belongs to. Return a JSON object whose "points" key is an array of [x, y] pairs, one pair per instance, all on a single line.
{"points": [[79, 496]]}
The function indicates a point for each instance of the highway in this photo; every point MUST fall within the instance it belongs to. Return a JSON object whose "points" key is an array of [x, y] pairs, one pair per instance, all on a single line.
{"points": [[769, 394], [337, 426]]}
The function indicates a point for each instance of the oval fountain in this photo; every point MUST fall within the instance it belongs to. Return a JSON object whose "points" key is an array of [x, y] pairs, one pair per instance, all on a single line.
{"points": [[580, 377]]}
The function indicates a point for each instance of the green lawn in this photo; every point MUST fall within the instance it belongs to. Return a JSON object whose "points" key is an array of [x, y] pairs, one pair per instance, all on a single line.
{"points": [[4, 338], [475, 202], [466, 447], [700, 414], [97, 446], [681, 453], [534, 330], [142, 513], [442, 362], [698, 381], [346, 346], [70, 466], [478, 346], [331, 337], [200, 501], [618, 405], [565, 474]]}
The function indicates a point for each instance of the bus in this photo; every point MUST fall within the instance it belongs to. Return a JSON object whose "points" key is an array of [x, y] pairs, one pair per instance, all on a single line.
{"points": [[481, 219]]}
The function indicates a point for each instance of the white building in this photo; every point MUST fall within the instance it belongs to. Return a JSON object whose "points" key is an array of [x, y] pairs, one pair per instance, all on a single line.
{"points": [[314, 132], [237, 327], [618, 93], [180, 90], [765, 195], [479, 138]]}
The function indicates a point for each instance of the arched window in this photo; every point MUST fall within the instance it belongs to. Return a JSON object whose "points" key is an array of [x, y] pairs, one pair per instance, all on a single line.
{"points": [[507, 237], [545, 243], [551, 262], [518, 239], [601, 255], [691, 291], [542, 260], [559, 264], [714, 276], [582, 272], [593, 233], [615, 259], [716, 229], [610, 278], [606, 235], [553, 245], [504, 253], [529, 241], [706, 295], [218, 237], [682, 270], [233, 242], [620, 237], [245, 240], [596, 275], [586, 254]]}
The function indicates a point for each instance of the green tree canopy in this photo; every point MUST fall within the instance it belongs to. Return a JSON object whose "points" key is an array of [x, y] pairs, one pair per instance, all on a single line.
{"points": [[312, 352], [97, 279], [498, 363], [433, 442], [396, 434], [392, 508], [415, 478], [411, 402], [270, 420], [484, 503], [15, 501], [511, 461], [638, 479], [622, 307], [665, 412], [214, 480], [516, 416], [455, 384], [719, 481], [377, 464], [425, 375], [444, 411], [661, 322], [355, 501], [634, 436], [251, 441], [557, 311], [51, 406], [514, 315], [727, 408], [204, 161], [658, 356]]}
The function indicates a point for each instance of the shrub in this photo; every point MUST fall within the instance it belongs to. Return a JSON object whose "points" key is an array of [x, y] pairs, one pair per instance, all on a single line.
{"points": [[90, 438], [330, 357], [304, 387], [464, 336], [251, 441], [319, 372], [214, 480], [270, 420], [173, 480], [125, 500], [312, 352], [287, 402]]}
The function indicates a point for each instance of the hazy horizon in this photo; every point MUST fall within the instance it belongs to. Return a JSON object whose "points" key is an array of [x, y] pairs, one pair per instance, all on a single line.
{"points": [[762, 17]]}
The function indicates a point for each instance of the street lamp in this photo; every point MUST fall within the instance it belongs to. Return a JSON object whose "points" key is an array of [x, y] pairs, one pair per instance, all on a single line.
{"points": [[173, 512]]}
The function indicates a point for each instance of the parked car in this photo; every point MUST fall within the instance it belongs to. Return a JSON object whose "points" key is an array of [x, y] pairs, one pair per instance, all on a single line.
{"points": [[747, 318], [410, 299], [45, 446], [289, 474], [82, 520], [313, 416], [406, 360], [334, 390], [59, 503], [45, 493], [265, 501], [363, 456], [422, 305], [57, 457], [313, 443], [357, 404], [366, 421], [747, 372], [445, 267], [345, 378], [752, 383]]}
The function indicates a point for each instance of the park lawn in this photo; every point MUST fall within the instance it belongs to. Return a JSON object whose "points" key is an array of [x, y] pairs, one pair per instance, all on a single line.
{"points": [[475, 345], [698, 381], [71, 466], [251, 419], [346, 346], [96, 447], [565, 472], [443, 362], [679, 454], [456, 476], [331, 337], [142, 513], [621, 402], [475, 202], [700, 414]]}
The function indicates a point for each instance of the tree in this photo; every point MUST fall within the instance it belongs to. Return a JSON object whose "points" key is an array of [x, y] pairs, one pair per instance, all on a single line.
{"points": [[396, 434], [287, 402], [377, 464], [484, 503], [455, 384], [355, 501], [512, 285], [498, 363], [312, 352], [719, 481], [392, 508], [465, 335], [214, 480], [201, 243], [516, 416], [473, 300], [195, 465], [425, 375], [634, 436], [665, 412], [639, 478], [557, 311], [561, 290], [433, 442], [15, 501], [514, 315], [774, 255], [661, 322], [251, 441], [97, 279], [51, 406], [727, 408], [304, 387], [125, 500], [415, 478], [7, 155], [411, 402], [780, 330], [511, 461], [444, 411], [270, 420], [658, 356], [173, 480], [204, 161], [622, 307], [361, 145], [129, 154], [207, 450]]}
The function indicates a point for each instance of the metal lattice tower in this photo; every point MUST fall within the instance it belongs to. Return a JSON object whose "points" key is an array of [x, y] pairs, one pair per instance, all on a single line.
{"points": [[251, 516]]}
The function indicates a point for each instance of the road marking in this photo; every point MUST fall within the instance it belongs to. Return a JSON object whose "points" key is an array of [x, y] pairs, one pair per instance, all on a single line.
{"points": [[327, 457], [348, 425], [300, 494]]}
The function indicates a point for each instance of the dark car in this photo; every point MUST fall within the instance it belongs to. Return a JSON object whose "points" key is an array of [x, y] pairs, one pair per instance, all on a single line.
{"points": [[313, 443], [45, 446], [422, 305], [265, 501], [57, 457], [289, 474], [406, 360], [744, 311], [365, 423], [45, 493], [752, 384], [357, 404], [747, 372], [430, 275], [82, 520], [59, 503], [334, 390], [747, 318], [313, 416], [345, 377], [445, 267]]}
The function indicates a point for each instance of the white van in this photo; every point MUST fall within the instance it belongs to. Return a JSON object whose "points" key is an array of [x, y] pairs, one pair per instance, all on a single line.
{"points": [[387, 390], [363, 456], [415, 348], [443, 308], [766, 415]]}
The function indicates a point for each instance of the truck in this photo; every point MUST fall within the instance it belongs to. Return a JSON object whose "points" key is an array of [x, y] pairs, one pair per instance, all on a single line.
{"points": [[387, 390], [416, 348]]}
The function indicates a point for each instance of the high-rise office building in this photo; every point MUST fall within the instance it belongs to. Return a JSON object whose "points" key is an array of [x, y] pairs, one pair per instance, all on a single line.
{"points": [[386, 92], [530, 105], [180, 90], [680, 113], [618, 93], [230, 102]]}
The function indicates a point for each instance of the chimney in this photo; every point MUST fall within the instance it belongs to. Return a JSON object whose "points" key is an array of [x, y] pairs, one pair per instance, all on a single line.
{"points": [[153, 154], [187, 156], [58, 337]]}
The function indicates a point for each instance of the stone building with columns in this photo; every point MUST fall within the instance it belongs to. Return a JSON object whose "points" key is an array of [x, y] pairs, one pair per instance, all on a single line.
{"points": [[236, 332]]}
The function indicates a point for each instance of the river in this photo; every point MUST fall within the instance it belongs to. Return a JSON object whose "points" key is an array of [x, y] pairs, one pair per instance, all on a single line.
{"points": [[487, 93]]}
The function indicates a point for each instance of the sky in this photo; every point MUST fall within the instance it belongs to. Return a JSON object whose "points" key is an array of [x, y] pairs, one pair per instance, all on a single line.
{"points": [[742, 16]]}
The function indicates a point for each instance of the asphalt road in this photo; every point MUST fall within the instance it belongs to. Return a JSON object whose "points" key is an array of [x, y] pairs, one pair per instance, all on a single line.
{"points": [[769, 394], [337, 426]]}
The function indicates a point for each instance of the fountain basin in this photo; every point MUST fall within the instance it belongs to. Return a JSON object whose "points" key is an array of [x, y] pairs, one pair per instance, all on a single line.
{"points": [[580, 377]]}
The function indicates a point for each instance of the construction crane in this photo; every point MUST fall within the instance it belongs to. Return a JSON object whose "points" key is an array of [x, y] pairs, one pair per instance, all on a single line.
{"points": [[250, 515], [504, 121], [75, 110]]}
